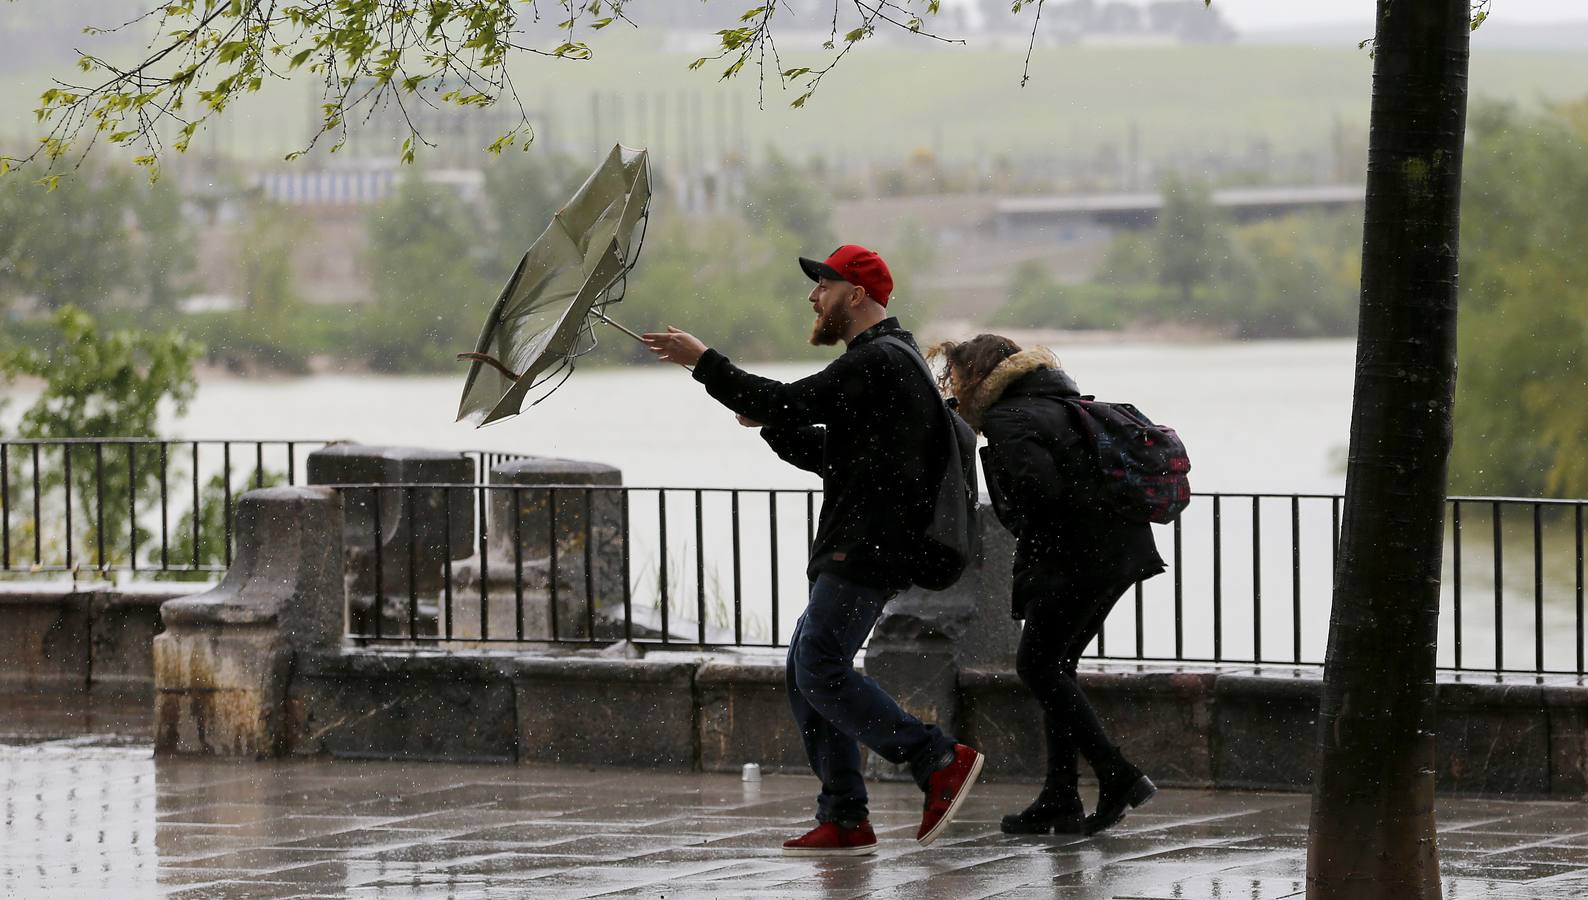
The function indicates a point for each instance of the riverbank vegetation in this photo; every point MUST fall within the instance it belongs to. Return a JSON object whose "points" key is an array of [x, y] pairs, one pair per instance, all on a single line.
{"points": [[1294, 276], [1521, 423]]}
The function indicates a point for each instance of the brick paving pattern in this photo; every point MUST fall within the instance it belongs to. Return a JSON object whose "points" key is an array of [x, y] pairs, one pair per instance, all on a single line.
{"points": [[100, 817]]}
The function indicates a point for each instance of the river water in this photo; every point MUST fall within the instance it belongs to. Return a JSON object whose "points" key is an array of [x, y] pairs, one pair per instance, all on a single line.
{"points": [[1256, 416]]}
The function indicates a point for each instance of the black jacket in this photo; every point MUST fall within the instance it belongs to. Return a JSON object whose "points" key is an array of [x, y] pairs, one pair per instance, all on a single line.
{"points": [[1040, 476], [871, 424]]}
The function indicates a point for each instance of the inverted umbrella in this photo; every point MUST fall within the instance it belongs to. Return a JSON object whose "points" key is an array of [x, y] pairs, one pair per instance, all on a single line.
{"points": [[544, 318]]}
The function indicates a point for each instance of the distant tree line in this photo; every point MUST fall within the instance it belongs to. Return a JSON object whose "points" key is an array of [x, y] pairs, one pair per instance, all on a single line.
{"points": [[1521, 420], [1522, 390], [128, 251], [1291, 277]]}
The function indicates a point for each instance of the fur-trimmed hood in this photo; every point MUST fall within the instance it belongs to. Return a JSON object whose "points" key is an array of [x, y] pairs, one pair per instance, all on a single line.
{"points": [[991, 389]]}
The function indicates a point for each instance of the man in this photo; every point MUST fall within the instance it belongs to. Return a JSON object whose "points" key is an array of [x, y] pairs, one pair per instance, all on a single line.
{"points": [[867, 423]]}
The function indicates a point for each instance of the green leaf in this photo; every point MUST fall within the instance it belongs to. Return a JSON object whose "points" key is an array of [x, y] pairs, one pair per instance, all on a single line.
{"points": [[231, 51]]}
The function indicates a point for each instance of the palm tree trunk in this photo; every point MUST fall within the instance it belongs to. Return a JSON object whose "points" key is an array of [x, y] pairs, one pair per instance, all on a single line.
{"points": [[1372, 831]]}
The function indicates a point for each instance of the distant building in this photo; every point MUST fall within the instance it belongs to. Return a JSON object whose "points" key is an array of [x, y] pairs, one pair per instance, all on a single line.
{"points": [[343, 186], [1058, 217], [1111, 21], [1063, 21]]}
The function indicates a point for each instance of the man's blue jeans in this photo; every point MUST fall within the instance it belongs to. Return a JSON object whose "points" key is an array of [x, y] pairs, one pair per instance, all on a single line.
{"points": [[835, 707]]}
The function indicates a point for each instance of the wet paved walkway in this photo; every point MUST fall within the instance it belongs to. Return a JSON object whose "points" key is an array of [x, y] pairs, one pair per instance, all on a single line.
{"points": [[96, 817]]}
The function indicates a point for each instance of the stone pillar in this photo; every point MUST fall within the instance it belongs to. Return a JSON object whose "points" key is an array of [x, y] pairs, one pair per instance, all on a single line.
{"points": [[221, 667], [412, 548], [524, 527], [925, 638]]}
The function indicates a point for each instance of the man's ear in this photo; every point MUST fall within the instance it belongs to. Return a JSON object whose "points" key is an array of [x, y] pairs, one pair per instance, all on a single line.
{"points": [[858, 297]]}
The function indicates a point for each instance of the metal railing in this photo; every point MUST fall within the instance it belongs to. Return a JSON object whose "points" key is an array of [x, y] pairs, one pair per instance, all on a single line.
{"points": [[96, 506], [1249, 582]]}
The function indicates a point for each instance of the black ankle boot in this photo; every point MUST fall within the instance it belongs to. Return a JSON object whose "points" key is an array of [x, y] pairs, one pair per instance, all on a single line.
{"points": [[1055, 810], [1126, 790]]}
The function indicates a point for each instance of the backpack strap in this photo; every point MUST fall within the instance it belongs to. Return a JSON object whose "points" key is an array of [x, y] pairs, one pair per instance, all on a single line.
{"points": [[920, 361]]}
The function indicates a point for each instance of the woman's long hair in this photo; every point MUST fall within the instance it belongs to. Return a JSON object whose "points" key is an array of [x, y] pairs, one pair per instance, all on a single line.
{"points": [[974, 360]]}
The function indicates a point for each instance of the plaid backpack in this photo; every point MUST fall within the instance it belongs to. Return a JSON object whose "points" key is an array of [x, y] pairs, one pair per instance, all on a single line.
{"points": [[1142, 466]]}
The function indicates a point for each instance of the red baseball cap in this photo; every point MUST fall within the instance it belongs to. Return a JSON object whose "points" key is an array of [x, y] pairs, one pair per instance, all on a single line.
{"points": [[856, 265]]}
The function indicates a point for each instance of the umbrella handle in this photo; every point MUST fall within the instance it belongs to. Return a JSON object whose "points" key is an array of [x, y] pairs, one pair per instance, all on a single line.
{"points": [[602, 316]]}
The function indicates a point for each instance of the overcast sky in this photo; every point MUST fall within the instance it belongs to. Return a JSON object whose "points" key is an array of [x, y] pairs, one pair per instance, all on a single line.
{"points": [[1251, 14]]}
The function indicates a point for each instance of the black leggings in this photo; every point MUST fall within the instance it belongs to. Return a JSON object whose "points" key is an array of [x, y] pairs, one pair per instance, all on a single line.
{"points": [[1056, 633]]}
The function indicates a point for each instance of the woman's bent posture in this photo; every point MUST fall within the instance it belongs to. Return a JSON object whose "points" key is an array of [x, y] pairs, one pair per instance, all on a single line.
{"points": [[1073, 559]]}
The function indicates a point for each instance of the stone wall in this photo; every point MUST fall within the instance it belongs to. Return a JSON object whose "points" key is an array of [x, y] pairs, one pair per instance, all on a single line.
{"points": [[1187, 728], [85, 638], [1257, 729]]}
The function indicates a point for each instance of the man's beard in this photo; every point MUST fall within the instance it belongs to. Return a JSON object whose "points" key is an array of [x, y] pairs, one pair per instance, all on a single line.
{"points": [[830, 327]]}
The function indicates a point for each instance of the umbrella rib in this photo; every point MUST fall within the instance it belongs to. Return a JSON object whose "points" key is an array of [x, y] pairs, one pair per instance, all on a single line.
{"points": [[493, 362]]}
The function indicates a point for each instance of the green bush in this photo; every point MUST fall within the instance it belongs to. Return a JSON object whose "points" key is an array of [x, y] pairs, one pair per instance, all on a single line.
{"points": [[1038, 301], [1521, 420], [1290, 277]]}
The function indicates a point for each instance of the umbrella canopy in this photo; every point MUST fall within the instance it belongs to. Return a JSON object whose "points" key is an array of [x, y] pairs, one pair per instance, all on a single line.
{"points": [[543, 319]]}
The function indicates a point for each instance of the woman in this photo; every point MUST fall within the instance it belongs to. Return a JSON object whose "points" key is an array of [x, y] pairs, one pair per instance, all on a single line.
{"points": [[1073, 560]]}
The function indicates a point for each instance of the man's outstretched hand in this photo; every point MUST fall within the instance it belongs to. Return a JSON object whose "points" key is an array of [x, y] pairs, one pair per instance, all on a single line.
{"points": [[675, 346]]}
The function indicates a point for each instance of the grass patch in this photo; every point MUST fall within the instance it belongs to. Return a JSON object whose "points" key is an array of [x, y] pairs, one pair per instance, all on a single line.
{"points": [[955, 102]]}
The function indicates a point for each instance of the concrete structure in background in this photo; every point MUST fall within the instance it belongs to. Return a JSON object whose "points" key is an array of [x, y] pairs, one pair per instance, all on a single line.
{"points": [[925, 641], [993, 235], [420, 529], [1058, 217], [568, 544]]}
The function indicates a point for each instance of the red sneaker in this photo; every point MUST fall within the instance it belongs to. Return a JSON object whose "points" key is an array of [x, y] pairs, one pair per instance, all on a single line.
{"points": [[832, 839], [946, 790]]}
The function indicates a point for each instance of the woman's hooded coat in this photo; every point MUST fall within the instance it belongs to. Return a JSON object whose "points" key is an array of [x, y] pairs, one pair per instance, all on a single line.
{"points": [[1042, 479]]}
